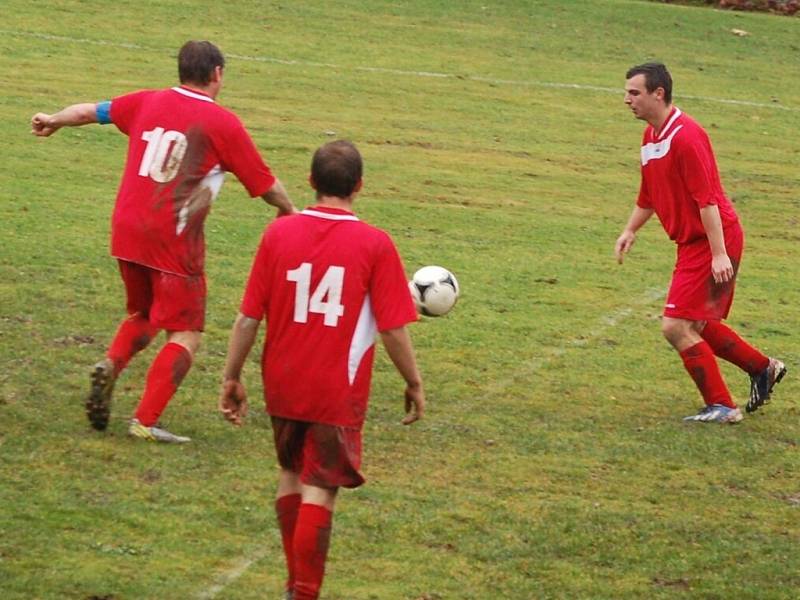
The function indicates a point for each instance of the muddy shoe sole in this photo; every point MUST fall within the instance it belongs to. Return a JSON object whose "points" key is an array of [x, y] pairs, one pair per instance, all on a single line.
{"points": [[98, 404]]}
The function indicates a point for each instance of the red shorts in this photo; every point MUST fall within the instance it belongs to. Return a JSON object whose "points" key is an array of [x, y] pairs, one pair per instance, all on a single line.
{"points": [[693, 294], [171, 302], [324, 456]]}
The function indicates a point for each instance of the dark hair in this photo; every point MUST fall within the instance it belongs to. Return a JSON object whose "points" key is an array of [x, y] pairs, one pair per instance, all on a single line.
{"points": [[336, 169], [655, 76], [197, 61]]}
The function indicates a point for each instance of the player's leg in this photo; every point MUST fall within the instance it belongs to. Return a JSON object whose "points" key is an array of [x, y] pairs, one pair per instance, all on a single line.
{"points": [[680, 333], [331, 459], [136, 331], [287, 507], [178, 307], [166, 373], [312, 537], [764, 371], [727, 344], [701, 364], [133, 334], [694, 298], [289, 438]]}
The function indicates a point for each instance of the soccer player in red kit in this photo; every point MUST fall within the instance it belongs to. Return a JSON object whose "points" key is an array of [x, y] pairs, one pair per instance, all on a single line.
{"points": [[181, 143], [326, 283], [680, 183]]}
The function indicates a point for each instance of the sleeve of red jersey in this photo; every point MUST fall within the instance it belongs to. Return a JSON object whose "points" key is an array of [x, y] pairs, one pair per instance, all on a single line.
{"points": [[254, 302], [240, 156], [698, 169], [643, 199], [124, 108], [388, 290]]}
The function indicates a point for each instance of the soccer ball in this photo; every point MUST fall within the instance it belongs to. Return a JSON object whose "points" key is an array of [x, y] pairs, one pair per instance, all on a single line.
{"points": [[435, 290]]}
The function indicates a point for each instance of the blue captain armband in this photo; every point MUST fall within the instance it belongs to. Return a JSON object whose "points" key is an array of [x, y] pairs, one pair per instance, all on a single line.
{"points": [[103, 112]]}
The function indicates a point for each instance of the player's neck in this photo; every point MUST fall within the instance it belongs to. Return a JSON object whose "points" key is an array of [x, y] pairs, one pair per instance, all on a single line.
{"points": [[336, 202], [209, 90], [660, 117]]}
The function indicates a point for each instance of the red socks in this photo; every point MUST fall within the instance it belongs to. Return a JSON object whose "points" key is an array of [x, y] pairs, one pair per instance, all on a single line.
{"points": [[287, 507], [133, 335], [165, 375], [702, 366], [312, 534], [727, 344]]}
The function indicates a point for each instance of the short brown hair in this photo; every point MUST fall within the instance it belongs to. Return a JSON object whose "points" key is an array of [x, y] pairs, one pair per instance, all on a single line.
{"points": [[197, 61], [336, 169], [656, 76]]}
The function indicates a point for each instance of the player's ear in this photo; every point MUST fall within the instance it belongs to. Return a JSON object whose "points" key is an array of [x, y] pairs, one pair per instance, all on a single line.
{"points": [[217, 74], [358, 187], [311, 182]]}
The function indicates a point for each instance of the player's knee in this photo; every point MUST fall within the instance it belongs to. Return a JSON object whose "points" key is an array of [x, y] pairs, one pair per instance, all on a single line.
{"points": [[188, 339], [680, 333], [672, 329], [196, 339], [320, 496]]}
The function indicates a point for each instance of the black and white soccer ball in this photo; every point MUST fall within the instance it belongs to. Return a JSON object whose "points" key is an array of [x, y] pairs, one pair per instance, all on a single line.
{"points": [[435, 290]]}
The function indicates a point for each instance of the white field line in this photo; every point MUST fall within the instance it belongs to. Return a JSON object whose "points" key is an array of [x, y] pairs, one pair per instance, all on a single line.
{"points": [[400, 72], [527, 368], [232, 574]]}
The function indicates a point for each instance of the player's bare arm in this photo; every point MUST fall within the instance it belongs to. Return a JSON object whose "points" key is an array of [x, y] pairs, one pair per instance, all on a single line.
{"points": [[276, 196], [43, 124], [400, 349], [233, 397], [721, 266], [625, 241]]}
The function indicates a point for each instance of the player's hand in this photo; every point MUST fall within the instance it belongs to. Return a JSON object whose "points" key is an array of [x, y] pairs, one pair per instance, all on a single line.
{"points": [[623, 245], [415, 404], [42, 125], [233, 401], [722, 268]]}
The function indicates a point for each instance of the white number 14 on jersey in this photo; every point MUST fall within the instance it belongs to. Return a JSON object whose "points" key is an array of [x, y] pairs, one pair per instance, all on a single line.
{"points": [[330, 287]]}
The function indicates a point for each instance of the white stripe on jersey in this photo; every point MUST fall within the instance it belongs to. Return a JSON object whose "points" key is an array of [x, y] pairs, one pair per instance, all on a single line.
{"points": [[324, 215], [666, 127], [363, 338], [213, 183], [214, 180], [655, 150], [192, 95]]}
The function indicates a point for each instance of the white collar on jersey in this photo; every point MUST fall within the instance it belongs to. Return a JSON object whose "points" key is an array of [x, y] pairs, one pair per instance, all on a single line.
{"points": [[324, 215], [194, 95], [669, 123]]}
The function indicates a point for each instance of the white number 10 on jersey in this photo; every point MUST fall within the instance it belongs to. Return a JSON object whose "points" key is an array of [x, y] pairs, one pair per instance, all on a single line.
{"points": [[330, 286], [163, 155]]}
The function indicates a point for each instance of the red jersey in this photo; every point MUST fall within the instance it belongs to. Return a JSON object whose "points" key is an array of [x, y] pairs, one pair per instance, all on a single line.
{"points": [[680, 176], [327, 283], [180, 145]]}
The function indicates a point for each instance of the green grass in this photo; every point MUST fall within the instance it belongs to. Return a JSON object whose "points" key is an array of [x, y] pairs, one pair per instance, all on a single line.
{"points": [[552, 462]]}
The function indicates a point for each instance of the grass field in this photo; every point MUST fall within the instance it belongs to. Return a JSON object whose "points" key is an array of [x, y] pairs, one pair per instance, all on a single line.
{"points": [[553, 462]]}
